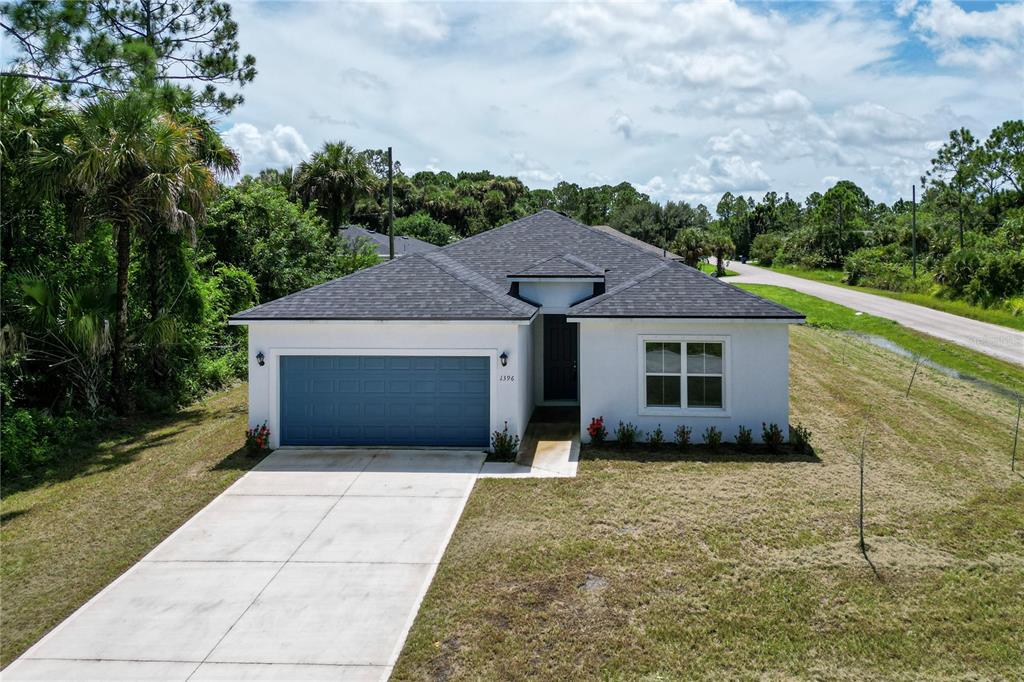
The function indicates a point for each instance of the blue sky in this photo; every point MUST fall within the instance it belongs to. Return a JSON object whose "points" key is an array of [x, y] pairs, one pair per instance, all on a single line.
{"points": [[685, 100]]}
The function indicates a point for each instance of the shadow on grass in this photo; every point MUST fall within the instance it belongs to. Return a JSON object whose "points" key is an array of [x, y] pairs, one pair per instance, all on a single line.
{"points": [[671, 453], [114, 445], [240, 460]]}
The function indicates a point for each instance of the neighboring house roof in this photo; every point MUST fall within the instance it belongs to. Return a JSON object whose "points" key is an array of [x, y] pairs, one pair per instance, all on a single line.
{"points": [[468, 280], [403, 245]]}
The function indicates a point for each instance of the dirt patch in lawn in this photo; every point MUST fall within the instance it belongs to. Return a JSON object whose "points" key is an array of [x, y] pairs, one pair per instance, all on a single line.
{"points": [[648, 566]]}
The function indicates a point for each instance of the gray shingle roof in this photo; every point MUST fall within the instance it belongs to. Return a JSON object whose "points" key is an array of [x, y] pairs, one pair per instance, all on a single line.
{"points": [[404, 245], [468, 280], [561, 266], [671, 289]]}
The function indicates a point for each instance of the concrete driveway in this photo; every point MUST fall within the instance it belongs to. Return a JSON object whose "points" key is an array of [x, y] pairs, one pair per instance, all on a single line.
{"points": [[310, 567], [991, 339]]}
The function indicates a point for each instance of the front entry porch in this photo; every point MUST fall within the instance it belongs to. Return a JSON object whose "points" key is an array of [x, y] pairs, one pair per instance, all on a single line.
{"points": [[550, 447]]}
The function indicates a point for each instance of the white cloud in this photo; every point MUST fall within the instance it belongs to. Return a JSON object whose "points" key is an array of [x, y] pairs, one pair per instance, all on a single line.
{"points": [[735, 141], [280, 146], [533, 172], [986, 40], [721, 173]]}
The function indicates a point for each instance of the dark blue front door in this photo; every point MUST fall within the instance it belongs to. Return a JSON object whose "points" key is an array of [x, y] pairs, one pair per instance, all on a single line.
{"points": [[385, 400]]}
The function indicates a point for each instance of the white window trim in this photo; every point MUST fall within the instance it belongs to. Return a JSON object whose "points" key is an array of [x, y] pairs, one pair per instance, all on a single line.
{"points": [[683, 410]]}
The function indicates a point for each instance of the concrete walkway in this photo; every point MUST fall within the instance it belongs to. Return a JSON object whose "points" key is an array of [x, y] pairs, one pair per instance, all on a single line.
{"points": [[310, 567], [999, 342]]}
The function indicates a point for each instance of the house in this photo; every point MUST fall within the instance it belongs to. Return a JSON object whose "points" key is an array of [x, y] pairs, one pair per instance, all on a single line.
{"points": [[381, 243], [445, 347]]}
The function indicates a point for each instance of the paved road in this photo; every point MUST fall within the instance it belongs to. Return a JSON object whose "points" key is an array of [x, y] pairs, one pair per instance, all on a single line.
{"points": [[310, 567], [999, 342]]}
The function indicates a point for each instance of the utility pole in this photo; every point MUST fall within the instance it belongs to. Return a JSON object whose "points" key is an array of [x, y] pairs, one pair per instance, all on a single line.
{"points": [[391, 206], [913, 226]]}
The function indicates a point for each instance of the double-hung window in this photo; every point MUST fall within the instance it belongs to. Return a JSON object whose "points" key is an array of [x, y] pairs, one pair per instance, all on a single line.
{"points": [[683, 374]]}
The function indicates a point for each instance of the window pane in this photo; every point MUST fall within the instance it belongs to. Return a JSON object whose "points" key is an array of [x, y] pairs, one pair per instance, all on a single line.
{"points": [[663, 391], [704, 391], [713, 358], [654, 357], [695, 358], [672, 357]]}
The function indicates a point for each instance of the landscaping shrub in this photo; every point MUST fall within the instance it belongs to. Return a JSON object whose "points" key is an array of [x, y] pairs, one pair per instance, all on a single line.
{"points": [[505, 444], [657, 436], [771, 434], [257, 439], [626, 434], [597, 431], [744, 437], [800, 438], [712, 437], [683, 434]]}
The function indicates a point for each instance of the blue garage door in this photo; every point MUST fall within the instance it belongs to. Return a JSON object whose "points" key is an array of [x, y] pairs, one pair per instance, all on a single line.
{"points": [[385, 400]]}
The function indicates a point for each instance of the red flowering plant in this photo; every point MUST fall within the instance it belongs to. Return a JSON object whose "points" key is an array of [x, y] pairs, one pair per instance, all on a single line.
{"points": [[257, 439], [596, 430]]}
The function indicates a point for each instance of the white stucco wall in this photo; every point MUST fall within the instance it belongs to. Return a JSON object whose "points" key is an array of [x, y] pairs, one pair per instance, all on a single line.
{"points": [[756, 381], [511, 386], [555, 296]]}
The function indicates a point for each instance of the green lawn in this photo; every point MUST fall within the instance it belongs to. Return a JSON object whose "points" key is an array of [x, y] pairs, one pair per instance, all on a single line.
{"points": [[821, 313], [717, 566], [709, 268], [991, 315], [68, 536]]}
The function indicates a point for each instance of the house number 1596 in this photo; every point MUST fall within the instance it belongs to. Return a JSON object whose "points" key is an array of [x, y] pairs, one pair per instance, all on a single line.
{"points": [[507, 378]]}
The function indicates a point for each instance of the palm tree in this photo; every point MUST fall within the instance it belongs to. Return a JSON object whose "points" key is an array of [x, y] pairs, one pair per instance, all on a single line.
{"points": [[720, 245], [141, 169], [336, 178], [692, 245]]}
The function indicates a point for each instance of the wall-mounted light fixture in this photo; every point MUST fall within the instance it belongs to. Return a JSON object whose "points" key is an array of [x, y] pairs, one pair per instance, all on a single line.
{"points": [[504, 359], [260, 359]]}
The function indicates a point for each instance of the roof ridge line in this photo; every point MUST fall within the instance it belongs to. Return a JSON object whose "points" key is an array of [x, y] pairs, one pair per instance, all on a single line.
{"points": [[469, 277], [587, 265], [628, 284]]}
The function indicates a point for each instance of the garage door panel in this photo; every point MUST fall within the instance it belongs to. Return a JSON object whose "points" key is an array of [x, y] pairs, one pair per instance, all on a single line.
{"points": [[385, 400]]}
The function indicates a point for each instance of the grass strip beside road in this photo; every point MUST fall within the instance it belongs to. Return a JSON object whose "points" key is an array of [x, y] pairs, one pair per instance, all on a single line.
{"points": [[962, 308], [828, 315]]}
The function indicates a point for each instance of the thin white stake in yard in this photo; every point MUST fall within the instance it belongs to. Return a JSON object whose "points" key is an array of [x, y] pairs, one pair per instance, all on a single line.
{"points": [[916, 365], [1016, 430], [863, 438]]}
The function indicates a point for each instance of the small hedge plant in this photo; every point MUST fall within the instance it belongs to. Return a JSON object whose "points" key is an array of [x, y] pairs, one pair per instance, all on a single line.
{"points": [[800, 439], [504, 444], [683, 434], [771, 434], [712, 437], [626, 434], [597, 431], [744, 438], [257, 439], [657, 436]]}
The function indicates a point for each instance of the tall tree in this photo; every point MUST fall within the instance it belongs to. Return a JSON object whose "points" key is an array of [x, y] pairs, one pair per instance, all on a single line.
{"points": [[87, 47], [956, 166], [136, 166], [335, 177]]}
